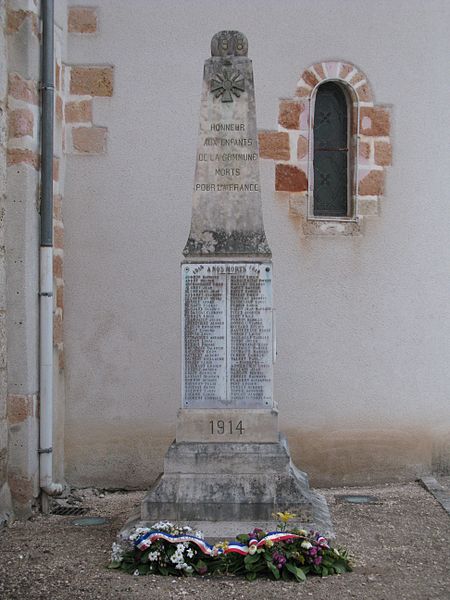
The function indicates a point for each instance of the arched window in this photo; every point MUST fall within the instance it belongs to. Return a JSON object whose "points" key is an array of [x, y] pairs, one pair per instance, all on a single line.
{"points": [[331, 149], [331, 158]]}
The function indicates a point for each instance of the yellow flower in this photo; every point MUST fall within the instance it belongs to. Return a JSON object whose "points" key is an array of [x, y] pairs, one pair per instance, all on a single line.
{"points": [[284, 517]]}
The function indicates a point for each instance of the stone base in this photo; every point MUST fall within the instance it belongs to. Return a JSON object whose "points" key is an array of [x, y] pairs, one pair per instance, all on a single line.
{"points": [[233, 482]]}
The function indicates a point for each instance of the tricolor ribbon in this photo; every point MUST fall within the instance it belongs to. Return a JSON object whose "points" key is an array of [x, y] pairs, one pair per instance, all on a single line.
{"points": [[145, 541]]}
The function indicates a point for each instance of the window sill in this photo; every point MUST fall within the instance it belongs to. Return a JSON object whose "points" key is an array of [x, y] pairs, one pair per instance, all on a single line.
{"points": [[331, 226]]}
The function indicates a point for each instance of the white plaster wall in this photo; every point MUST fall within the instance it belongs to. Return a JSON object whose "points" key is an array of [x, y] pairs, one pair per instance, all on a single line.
{"points": [[363, 322]]}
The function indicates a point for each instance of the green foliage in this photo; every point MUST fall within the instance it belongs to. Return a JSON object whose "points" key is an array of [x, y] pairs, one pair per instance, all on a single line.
{"points": [[287, 560], [296, 571]]}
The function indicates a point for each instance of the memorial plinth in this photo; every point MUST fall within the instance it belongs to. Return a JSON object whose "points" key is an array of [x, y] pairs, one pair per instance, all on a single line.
{"points": [[229, 461]]}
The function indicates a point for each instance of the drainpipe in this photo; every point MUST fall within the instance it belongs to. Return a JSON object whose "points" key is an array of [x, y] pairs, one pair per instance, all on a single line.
{"points": [[48, 487]]}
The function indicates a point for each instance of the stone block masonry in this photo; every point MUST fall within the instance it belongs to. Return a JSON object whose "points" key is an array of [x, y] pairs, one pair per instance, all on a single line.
{"points": [[87, 80], [75, 133], [274, 145], [79, 111], [89, 140], [21, 123], [83, 84], [291, 147], [6, 507], [21, 385], [76, 88], [82, 19]]}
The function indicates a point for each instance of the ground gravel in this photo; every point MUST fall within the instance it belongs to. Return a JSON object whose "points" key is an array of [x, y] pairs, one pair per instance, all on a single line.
{"points": [[400, 547]]}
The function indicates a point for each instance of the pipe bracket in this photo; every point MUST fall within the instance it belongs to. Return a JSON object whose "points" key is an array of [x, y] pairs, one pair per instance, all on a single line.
{"points": [[45, 450]]}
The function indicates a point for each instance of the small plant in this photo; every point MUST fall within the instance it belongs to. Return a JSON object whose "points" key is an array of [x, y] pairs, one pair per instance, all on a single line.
{"points": [[167, 549]]}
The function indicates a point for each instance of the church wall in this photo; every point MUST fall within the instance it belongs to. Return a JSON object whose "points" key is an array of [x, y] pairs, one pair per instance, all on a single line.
{"points": [[363, 321], [5, 493]]}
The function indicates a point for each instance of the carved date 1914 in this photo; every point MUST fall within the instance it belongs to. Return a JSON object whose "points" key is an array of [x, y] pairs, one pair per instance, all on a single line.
{"points": [[221, 427]]}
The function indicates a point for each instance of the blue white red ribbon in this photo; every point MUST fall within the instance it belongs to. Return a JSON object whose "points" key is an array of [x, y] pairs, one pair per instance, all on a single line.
{"points": [[146, 540]]}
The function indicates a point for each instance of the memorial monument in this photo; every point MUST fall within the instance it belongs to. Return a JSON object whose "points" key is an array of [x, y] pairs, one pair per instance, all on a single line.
{"points": [[229, 461]]}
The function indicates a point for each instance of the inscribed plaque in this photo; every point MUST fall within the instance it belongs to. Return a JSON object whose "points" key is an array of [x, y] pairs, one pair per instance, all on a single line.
{"points": [[227, 335]]}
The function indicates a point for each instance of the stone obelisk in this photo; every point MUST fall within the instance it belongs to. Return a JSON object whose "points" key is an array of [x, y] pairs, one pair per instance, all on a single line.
{"points": [[229, 461]]}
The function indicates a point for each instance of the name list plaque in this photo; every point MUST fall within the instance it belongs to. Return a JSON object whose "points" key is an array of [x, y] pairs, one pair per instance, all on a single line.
{"points": [[227, 335]]}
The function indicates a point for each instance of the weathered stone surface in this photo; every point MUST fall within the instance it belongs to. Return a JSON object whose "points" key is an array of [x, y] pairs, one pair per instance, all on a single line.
{"points": [[289, 114], [21, 490], [57, 328], [318, 68], [226, 209], [78, 111], [57, 266], [357, 78], [20, 407], [91, 81], [17, 156], [302, 147], [229, 43], [57, 207], [274, 145], [441, 493], [372, 184], [364, 150], [310, 78], [346, 69], [368, 207], [58, 234], [303, 91], [364, 93], [89, 140], [58, 76], [375, 121], [383, 153], [289, 178], [249, 482], [20, 123], [16, 18], [23, 89], [56, 162], [215, 425], [60, 296], [82, 19], [59, 107]]}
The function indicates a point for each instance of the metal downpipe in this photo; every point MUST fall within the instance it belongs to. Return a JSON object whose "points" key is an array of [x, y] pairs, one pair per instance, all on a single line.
{"points": [[48, 487]]}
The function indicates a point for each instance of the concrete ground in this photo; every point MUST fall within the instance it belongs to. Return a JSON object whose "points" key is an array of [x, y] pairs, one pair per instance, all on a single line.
{"points": [[400, 545]]}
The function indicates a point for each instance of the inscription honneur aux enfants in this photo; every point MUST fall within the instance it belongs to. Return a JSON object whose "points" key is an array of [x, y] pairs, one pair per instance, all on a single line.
{"points": [[228, 462], [226, 151]]}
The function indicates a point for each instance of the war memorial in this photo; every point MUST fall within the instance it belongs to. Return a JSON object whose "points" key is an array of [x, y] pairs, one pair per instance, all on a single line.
{"points": [[229, 463]]}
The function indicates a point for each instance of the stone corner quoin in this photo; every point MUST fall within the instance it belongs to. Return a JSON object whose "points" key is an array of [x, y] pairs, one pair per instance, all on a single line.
{"points": [[82, 19], [89, 140], [92, 80], [85, 82]]}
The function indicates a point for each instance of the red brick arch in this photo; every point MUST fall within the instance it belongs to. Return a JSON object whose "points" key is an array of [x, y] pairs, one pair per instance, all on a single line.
{"points": [[341, 71], [291, 146]]}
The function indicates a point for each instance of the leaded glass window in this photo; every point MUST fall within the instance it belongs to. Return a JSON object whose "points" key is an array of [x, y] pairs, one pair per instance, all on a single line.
{"points": [[331, 152]]}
